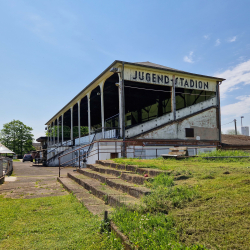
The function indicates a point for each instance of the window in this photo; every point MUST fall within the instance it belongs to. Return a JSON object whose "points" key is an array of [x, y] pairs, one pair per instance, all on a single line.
{"points": [[189, 132], [188, 97]]}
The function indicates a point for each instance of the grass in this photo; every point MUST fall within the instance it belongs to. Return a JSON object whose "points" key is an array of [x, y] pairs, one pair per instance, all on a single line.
{"points": [[51, 223], [209, 209]]}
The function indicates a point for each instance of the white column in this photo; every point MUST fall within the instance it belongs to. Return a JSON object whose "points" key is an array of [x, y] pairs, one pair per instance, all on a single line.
{"points": [[173, 98], [120, 106], [62, 128], [102, 107], [71, 118], [48, 135], [54, 135], [79, 121], [58, 131], [89, 118]]}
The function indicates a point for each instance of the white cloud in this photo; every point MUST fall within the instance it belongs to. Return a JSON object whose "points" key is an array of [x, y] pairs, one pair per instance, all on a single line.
{"points": [[239, 108], [233, 39], [206, 36], [217, 42], [189, 58], [240, 74], [41, 27]]}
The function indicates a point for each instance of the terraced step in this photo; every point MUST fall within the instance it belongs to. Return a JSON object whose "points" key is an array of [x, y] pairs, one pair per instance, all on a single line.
{"points": [[92, 203], [115, 182], [109, 195], [123, 174], [106, 170], [151, 172]]}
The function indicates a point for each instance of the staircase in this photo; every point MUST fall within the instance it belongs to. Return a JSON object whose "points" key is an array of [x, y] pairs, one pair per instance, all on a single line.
{"points": [[106, 184]]}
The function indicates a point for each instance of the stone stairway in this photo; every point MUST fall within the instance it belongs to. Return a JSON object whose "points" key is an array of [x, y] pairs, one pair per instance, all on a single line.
{"points": [[106, 184]]}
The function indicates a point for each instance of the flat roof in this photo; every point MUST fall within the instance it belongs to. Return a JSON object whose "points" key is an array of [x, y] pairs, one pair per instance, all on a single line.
{"points": [[143, 64]]}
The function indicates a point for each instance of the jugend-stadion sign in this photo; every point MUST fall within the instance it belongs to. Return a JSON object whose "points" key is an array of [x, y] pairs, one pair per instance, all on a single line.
{"points": [[164, 79]]}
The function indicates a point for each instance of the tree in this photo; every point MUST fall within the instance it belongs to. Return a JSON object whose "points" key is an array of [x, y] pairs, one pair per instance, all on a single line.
{"points": [[232, 132], [66, 131], [17, 137]]}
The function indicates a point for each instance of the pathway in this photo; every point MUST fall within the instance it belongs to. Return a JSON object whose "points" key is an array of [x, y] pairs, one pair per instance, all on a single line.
{"points": [[32, 182]]}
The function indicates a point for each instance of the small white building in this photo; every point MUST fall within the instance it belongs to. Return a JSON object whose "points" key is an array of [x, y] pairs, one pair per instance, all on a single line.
{"points": [[145, 108]]}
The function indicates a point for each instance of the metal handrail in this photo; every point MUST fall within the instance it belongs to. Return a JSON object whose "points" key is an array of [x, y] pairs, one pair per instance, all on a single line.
{"points": [[131, 150]]}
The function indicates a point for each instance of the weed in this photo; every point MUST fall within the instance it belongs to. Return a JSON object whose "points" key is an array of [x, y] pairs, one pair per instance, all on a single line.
{"points": [[211, 208], [105, 198], [51, 223], [149, 230]]}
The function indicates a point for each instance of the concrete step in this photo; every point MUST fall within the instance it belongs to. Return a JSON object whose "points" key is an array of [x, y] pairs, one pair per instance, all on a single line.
{"points": [[123, 174], [109, 195], [92, 203], [151, 172], [114, 182]]}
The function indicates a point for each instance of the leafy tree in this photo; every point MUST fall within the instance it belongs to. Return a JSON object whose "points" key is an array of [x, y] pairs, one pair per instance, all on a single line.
{"points": [[232, 132], [66, 131], [17, 137]]}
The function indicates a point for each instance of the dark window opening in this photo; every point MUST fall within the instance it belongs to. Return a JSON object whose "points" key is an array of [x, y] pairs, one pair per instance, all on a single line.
{"points": [[189, 132], [144, 102], [95, 108], [188, 97], [111, 102]]}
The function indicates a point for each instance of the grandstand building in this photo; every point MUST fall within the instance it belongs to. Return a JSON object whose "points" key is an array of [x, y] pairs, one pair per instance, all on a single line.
{"points": [[144, 106]]}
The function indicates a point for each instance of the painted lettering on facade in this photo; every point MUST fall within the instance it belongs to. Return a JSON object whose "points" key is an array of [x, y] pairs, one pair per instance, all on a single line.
{"points": [[163, 79]]}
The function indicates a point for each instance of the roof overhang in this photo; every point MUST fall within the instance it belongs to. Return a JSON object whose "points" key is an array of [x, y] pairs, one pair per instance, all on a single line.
{"points": [[107, 73]]}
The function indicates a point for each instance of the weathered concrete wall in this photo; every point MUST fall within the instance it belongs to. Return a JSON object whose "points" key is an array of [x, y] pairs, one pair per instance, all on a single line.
{"points": [[171, 133], [204, 124]]}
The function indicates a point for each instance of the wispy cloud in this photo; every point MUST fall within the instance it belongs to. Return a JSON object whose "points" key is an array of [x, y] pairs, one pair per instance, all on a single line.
{"points": [[41, 27], [206, 36], [189, 58], [233, 39], [240, 74], [239, 108], [217, 42]]}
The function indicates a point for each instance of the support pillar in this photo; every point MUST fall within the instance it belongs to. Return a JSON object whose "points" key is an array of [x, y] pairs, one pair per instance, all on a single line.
{"points": [[218, 109], [62, 128], [89, 118], [58, 137], [79, 121], [173, 98], [121, 107], [71, 123], [54, 134], [102, 108]]}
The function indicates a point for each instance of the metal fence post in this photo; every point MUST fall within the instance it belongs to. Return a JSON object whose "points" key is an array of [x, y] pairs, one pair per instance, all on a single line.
{"points": [[79, 158], [98, 149], [59, 166]]}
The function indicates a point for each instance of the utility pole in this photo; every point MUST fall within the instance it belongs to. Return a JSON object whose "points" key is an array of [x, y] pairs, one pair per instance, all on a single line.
{"points": [[241, 120], [235, 126]]}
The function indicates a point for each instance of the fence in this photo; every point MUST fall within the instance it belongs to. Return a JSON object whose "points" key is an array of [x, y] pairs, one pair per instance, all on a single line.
{"points": [[107, 149], [6, 167]]}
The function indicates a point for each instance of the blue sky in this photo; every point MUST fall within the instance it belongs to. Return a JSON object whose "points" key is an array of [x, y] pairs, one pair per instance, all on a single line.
{"points": [[50, 50]]}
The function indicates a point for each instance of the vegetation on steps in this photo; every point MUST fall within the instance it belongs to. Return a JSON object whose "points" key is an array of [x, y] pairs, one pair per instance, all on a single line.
{"points": [[209, 209]]}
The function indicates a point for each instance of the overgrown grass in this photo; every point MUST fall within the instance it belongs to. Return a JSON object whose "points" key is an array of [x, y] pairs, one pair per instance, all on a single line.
{"points": [[149, 227], [51, 223], [165, 196], [211, 207], [225, 153], [150, 230]]}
